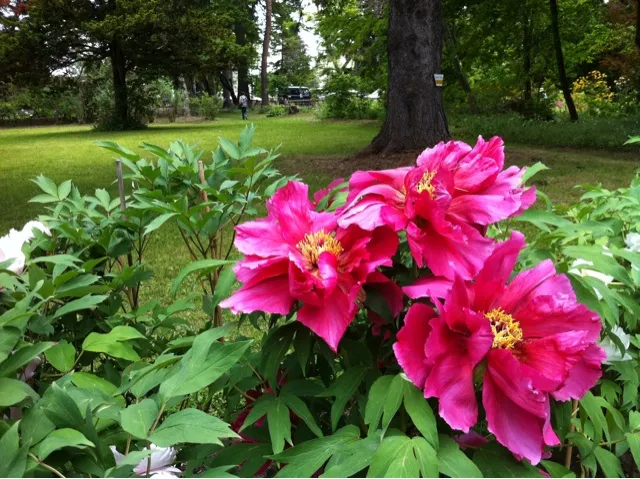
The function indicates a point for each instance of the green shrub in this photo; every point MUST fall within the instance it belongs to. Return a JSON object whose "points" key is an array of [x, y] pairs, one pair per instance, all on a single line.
{"points": [[275, 110], [206, 105]]}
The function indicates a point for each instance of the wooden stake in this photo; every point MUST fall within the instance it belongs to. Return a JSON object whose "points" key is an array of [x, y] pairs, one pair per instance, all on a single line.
{"points": [[123, 207]]}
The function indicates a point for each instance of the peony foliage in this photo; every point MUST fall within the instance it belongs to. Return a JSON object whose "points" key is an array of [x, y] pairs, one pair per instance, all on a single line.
{"points": [[423, 321]]}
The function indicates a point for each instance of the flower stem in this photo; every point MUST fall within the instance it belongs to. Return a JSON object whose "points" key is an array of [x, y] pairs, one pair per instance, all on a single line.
{"points": [[46, 466], [572, 427]]}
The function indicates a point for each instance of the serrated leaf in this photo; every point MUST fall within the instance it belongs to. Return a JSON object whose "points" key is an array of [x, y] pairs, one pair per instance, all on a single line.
{"points": [[608, 462], [343, 388], [300, 409]]}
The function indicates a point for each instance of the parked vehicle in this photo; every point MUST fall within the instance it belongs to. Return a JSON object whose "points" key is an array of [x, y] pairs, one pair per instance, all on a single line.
{"points": [[298, 95]]}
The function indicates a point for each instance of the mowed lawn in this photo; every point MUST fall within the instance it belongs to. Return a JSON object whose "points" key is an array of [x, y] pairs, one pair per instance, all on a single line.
{"points": [[317, 151]]}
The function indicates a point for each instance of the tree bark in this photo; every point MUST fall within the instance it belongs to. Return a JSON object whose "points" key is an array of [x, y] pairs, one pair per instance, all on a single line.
{"points": [[526, 56], [562, 73], [119, 72], [227, 85], [452, 47], [243, 64], [264, 75], [638, 24], [415, 113], [186, 109]]}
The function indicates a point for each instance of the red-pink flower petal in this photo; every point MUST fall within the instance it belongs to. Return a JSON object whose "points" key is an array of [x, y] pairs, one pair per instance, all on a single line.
{"points": [[331, 319], [261, 238], [583, 376], [524, 283], [517, 413], [428, 287], [270, 296], [410, 347]]}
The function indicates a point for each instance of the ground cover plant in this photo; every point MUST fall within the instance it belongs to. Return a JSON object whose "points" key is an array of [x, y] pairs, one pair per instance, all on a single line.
{"points": [[392, 324]]}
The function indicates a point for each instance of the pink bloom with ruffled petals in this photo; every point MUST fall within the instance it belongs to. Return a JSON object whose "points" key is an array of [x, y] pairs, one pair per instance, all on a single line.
{"points": [[298, 254], [530, 337], [444, 203]]}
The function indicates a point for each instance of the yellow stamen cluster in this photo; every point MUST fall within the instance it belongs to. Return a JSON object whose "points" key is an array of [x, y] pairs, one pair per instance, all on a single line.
{"points": [[314, 244], [425, 184], [506, 330]]}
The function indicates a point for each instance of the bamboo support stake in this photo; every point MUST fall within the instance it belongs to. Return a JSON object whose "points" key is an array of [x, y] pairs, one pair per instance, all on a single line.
{"points": [[123, 207], [572, 427]]}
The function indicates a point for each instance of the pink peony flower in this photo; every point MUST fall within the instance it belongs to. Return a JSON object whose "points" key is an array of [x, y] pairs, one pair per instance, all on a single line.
{"points": [[529, 339], [444, 203], [297, 254]]}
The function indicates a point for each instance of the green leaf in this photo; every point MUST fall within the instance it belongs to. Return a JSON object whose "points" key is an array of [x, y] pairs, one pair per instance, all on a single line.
{"points": [[533, 170], [301, 410], [22, 357], [191, 426], [35, 426], [57, 259], [226, 280], [303, 460], [343, 388], [113, 344], [258, 410], [453, 462], [138, 418], [92, 382], [593, 410], [86, 302], [60, 408], [495, 461], [14, 458], [158, 222], [354, 457], [556, 470], [392, 403], [46, 184], [279, 425], [13, 391], [64, 189], [120, 150], [394, 458], [59, 439], [203, 266], [62, 356], [634, 445], [608, 462], [421, 414], [205, 362], [426, 456], [230, 148], [9, 336]]}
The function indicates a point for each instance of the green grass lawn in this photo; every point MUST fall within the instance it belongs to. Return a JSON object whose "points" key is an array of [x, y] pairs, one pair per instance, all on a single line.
{"points": [[316, 150]]}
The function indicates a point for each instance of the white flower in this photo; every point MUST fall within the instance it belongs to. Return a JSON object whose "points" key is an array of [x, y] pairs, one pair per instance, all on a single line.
{"points": [[11, 245], [580, 267], [633, 242], [162, 459], [611, 348]]}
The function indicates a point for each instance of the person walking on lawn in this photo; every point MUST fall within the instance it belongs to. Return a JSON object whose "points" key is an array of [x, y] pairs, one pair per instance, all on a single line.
{"points": [[243, 105]]}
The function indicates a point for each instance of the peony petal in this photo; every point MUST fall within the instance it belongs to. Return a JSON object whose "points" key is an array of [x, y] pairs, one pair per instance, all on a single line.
{"points": [[583, 376], [493, 277], [388, 289], [480, 167], [331, 319], [410, 346], [444, 155], [271, 296], [517, 414], [261, 238], [428, 287], [524, 283]]}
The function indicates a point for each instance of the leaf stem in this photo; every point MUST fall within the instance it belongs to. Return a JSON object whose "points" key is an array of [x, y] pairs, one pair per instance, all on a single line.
{"points": [[46, 466]]}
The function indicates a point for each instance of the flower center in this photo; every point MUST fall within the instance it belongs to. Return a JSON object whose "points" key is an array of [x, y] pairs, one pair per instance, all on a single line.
{"points": [[425, 184], [314, 244], [506, 330]]}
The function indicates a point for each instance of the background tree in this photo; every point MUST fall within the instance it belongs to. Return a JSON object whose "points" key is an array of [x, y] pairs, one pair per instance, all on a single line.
{"points": [[264, 72], [562, 74]]}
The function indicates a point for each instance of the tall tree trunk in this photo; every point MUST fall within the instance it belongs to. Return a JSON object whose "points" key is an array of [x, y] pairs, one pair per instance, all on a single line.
{"points": [[562, 73], [186, 110], [452, 48], [415, 113], [119, 72], [264, 75], [638, 24], [226, 79], [526, 56], [243, 64]]}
